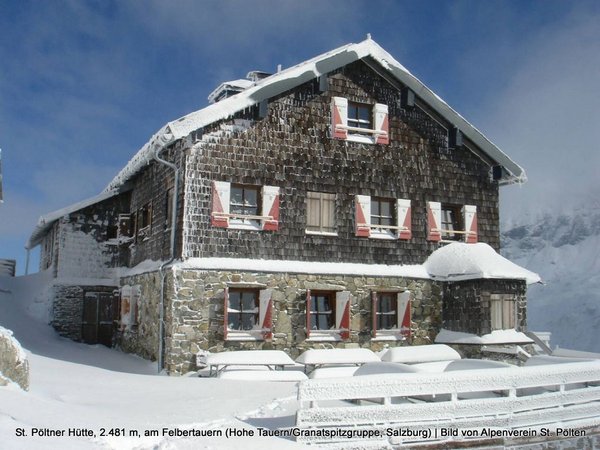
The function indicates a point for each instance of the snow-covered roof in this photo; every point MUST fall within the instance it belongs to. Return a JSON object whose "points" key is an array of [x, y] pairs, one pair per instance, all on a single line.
{"points": [[256, 91], [237, 85], [46, 221], [495, 337], [460, 261], [289, 78]]}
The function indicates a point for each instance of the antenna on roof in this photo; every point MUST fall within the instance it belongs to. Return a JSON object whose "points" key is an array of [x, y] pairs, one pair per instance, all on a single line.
{"points": [[278, 68], [369, 36]]}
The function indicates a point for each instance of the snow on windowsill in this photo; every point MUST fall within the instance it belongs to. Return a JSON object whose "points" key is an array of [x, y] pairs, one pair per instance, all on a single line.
{"points": [[320, 233], [360, 139], [243, 337], [388, 337]]}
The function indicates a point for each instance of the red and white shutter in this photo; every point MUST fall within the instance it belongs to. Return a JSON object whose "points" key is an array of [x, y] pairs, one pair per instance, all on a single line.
{"points": [[308, 308], [382, 125], [270, 208], [342, 313], [221, 193], [265, 313], [125, 306], [225, 312], [374, 313], [434, 221], [362, 216], [404, 219], [339, 117], [470, 220], [404, 313]]}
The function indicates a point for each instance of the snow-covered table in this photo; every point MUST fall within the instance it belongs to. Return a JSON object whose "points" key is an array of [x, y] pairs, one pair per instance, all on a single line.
{"points": [[336, 357], [272, 359]]}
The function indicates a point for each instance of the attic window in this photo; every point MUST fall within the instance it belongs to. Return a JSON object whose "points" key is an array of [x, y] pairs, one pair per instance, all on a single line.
{"points": [[359, 122], [360, 116]]}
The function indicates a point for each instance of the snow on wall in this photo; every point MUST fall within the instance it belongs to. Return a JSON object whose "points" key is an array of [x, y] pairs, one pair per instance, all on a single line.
{"points": [[81, 257]]}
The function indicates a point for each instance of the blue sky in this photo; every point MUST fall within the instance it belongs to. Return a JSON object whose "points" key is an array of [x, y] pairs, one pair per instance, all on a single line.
{"points": [[84, 84]]}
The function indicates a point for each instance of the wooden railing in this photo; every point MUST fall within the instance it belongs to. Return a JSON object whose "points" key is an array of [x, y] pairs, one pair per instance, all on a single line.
{"points": [[447, 406]]}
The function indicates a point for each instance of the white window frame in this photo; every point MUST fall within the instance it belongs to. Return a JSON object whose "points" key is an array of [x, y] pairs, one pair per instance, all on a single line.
{"points": [[379, 114]]}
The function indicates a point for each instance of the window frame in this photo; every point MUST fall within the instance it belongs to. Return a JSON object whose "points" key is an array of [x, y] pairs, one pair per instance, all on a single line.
{"points": [[379, 230], [330, 314], [262, 329], [503, 311], [380, 314], [255, 310], [322, 198], [451, 228], [402, 300], [372, 128], [143, 222], [359, 123], [338, 315], [243, 218]]}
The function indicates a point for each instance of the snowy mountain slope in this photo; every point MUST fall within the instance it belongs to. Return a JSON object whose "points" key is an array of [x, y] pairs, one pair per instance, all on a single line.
{"points": [[564, 249], [79, 386]]}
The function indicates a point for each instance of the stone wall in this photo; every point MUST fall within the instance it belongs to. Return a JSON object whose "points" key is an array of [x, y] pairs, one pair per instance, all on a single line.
{"points": [[195, 314], [466, 304], [291, 148], [14, 365], [142, 338]]}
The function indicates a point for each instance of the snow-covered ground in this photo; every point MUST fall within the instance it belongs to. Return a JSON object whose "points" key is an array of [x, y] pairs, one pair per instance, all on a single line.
{"points": [[82, 387], [564, 249]]}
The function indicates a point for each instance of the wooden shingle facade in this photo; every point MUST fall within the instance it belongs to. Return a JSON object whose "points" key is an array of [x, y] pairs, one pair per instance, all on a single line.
{"points": [[304, 209]]}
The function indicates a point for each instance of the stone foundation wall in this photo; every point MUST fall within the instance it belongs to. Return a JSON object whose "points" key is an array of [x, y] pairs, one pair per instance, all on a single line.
{"points": [[142, 338], [196, 321]]}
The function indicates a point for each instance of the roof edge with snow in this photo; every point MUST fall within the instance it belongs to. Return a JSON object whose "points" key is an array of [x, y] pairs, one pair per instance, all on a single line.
{"points": [[288, 79]]}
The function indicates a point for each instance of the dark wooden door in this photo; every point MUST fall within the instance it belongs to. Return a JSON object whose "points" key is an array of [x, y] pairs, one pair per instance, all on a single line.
{"points": [[97, 323]]}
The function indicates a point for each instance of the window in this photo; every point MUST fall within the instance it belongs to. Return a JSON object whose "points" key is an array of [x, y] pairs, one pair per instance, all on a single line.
{"points": [[244, 200], [144, 221], [320, 213], [382, 212], [242, 310], [502, 312], [387, 311], [322, 309], [383, 218], [447, 222], [327, 315], [451, 221], [168, 208], [359, 116], [247, 314], [359, 122], [391, 313], [244, 207]]}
